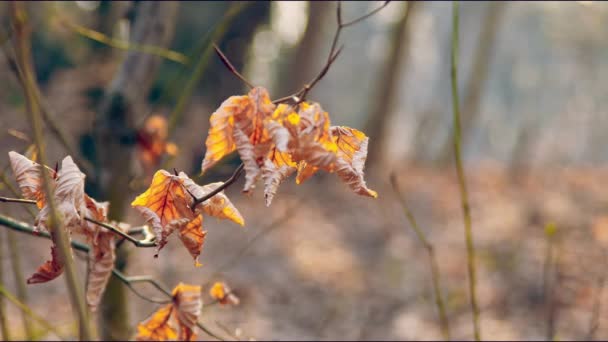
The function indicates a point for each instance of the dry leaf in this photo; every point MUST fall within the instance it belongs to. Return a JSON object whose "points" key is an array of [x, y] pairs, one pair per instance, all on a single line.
{"points": [[315, 145], [222, 293], [182, 314], [49, 270], [188, 303], [239, 124], [218, 206], [29, 178], [158, 327], [152, 142], [101, 263], [193, 237], [166, 207]]}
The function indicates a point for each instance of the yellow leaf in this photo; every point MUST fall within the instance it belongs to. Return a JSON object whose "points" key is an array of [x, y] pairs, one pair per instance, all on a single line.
{"points": [[188, 303], [218, 206], [193, 237], [165, 197], [222, 293], [220, 140], [157, 327]]}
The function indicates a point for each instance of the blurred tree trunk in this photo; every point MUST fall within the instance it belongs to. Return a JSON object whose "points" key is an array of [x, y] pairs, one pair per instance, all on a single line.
{"points": [[306, 58], [121, 109], [478, 78], [388, 83]]}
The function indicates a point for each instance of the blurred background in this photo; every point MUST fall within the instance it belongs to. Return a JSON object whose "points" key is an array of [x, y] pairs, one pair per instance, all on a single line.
{"points": [[322, 262]]}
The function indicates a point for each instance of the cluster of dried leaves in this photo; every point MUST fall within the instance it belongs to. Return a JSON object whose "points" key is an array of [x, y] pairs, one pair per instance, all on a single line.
{"points": [[74, 205], [276, 141], [273, 141]]}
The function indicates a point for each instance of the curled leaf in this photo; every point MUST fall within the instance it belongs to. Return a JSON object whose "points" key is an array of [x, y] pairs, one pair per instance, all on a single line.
{"points": [[277, 166], [218, 206], [165, 197], [182, 314], [152, 141], [49, 270], [188, 303], [222, 293], [29, 177], [220, 140], [101, 262], [351, 152], [158, 327], [193, 237]]}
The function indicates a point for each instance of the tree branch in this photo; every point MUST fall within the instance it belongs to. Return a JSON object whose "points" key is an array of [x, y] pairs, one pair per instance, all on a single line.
{"points": [[230, 66], [301, 94], [128, 281], [237, 173]]}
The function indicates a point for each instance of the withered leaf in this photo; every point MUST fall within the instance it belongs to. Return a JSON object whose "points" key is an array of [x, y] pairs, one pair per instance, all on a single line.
{"points": [[222, 293], [181, 315], [218, 206], [101, 262], [29, 177], [49, 270], [188, 303], [158, 327]]}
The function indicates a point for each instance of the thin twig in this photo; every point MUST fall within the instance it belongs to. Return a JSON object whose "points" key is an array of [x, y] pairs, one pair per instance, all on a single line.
{"points": [[145, 243], [461, 176], [301, 94], [171, 55], [435, 275], [117, 231], [227, 183], [16, 200], [230, 66]]}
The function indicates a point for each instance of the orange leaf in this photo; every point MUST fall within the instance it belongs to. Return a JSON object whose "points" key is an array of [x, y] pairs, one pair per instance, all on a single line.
{"points": [[352, 152], [165, 197], [218, 206], [277, 166], [220, 140], [49, 270], [239, 124], [222, 293], [29, 177], [158, 327], [152, 141], [193, 237], [188, 303]]}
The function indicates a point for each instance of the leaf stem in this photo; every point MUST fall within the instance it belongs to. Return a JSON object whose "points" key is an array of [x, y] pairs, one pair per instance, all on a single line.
{"points": [[117, 231], [461, 176]]}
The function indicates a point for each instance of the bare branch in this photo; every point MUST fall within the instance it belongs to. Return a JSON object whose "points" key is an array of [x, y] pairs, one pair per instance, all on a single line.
{"points": [[16, 200], [117, 231], [230, 66], [128, 281], [333, 53]]}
